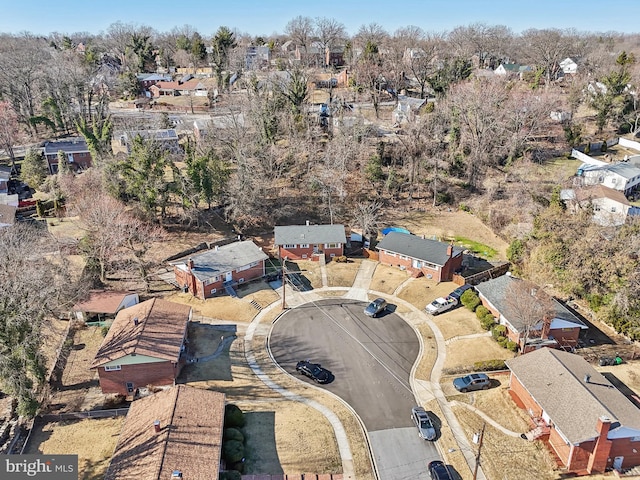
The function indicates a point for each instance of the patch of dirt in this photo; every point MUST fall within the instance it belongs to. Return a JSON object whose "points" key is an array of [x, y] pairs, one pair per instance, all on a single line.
{"points": [[93, 440], [342, 274]]}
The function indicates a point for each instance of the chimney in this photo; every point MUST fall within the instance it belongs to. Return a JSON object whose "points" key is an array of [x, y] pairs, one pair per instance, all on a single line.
{"points": [[156, 426], [587, 378], [449, 250], [190, 264], [136, 321]]}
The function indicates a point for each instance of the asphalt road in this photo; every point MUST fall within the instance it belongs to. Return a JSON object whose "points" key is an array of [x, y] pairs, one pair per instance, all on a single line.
{"points": [[371, 360]]}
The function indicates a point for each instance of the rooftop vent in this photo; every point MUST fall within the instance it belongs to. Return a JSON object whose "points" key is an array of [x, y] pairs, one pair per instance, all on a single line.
{"points": [[587, 378], [136, 321], [176, 474]]}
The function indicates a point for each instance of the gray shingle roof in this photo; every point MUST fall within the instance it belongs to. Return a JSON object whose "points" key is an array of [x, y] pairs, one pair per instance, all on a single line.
{"points": [[224, 259], [72, 145], [495, 292], [413, 246], [311, 234], [555, 379]]}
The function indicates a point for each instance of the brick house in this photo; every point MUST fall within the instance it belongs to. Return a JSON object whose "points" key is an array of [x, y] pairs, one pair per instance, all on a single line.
{"points": [[75, 150], [220, 268], [175, 433], [144, 346], [103, 304], [557, 328], [584, 420], [420, 256], [298, 242]]}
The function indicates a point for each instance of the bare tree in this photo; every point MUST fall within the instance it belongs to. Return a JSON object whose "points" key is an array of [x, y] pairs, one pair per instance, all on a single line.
{"points": [[329, 31], [546, 49], [300, 30], [488, 43], [367, 216], [9, 131]]}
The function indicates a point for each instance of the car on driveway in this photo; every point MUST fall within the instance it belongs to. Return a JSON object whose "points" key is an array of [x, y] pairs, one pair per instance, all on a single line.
{"points": [[473, 381], [439, 471], [423, 422], [440, 305], [375, 307], [457, 293], [314, 371]]}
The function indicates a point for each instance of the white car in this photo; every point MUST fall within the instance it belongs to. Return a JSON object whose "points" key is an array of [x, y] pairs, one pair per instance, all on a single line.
{"points": [[440, 305]]}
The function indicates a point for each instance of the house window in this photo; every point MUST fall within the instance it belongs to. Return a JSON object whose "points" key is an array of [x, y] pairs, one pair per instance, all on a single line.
{"points": [[391, 254], [112, 368], [613, 209], [635, 439], [332, 245], [289, 245], [404, 257], [208, 282], [432, 266], [304, 245]]}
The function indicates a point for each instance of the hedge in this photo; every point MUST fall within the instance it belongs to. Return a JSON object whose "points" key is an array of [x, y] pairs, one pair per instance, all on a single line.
{"points": [[489, 365], [470, 300], [233, 416]]}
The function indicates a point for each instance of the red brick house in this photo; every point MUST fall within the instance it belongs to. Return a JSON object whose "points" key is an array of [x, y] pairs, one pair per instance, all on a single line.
{"points": [[299, 242], [75, 151], [144, 346], [556, 328], [420, 256], [219, 269], [584, 420], [172, 434]]}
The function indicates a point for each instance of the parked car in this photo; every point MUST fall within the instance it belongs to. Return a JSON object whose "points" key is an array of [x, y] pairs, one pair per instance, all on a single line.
{"points": [[423, 422], [473, 381], [441, 304], [375, 307], [457, 293], [439, 471], [314, 371]]}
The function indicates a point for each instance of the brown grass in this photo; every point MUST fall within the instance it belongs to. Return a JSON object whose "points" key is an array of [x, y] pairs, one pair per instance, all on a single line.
{"points": [[342, 274], [311, 271], [458, 322], [93, 440], [429, 353], [386, 279], [466, 351]]}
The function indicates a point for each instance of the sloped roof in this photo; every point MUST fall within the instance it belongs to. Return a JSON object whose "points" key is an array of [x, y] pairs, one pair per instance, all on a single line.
{"points": [[431, 251], [72, 145], [624, 169], [556, 380], [600, 191], [158, 332], [495, 291], [311, 234], [101, 301], [224, 259], [190, 438]]}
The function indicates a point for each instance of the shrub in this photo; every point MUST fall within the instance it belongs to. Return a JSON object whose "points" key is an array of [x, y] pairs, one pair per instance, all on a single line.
{"points": [[233, 434], [603, 147], [489, 365], [499, 331], [481, 312], [233, 416], [104, 330], [502, 341], [511, 345], [232, 451], [464, 207], [341, 259], [470, 300], [487, 322]]}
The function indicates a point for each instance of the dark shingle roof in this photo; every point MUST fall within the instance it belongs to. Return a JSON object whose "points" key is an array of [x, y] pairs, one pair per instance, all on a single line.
{"points": [[555, 379], [223, 259], [190, 437], [495, 292], [311, 234], [73, 145], [413, 246]]}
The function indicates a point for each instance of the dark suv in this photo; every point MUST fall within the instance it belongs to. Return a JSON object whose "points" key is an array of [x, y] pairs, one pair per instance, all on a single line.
{"points": [[439, 471], [314, 371], [457, 293]]}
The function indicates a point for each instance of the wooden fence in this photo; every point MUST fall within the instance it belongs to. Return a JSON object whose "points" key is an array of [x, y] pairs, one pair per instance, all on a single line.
{"points": [[57, 417]]}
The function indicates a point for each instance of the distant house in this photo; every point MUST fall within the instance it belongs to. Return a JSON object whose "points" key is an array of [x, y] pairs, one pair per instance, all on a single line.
{"points": [[194, 86], [298, 242], [585, 420], [610, 207], [334, 55], [173, 434], [203, 128], [7, 215], [101, 305], [621, 176], [420, 256], [568, 67], [407, 108], [146, 80], [512, 69], [257, 57], [219, 269], [167, 139], [144, 346], [560, 328], [75, 151]]}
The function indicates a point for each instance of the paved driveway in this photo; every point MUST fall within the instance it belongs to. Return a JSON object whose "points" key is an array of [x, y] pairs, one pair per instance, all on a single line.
{"points": [[371, 359]]}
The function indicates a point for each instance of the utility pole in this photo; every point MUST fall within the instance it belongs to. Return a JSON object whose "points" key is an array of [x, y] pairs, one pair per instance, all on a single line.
{"points": [[475, 470]]}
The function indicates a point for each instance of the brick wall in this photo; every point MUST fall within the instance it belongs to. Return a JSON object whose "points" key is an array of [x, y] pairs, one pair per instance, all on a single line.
{"points": [[202, 291], [307, 253], [141, 375]]}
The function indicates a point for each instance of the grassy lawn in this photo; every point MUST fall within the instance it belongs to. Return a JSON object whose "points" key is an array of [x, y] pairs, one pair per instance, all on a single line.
{"points": [[477, 248], [458, 322], [463, 353], [386, 279], [342, 274]]}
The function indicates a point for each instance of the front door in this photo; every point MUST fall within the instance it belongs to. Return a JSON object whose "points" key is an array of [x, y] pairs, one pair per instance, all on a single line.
{"points": [[130, 388], [229, 277], [617, 463]]}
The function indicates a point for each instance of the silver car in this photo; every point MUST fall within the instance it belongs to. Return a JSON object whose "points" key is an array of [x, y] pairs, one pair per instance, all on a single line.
{"points": [[423, 422]]}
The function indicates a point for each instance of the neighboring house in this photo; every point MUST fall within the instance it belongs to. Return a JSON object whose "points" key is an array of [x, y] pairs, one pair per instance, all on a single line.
{"points": [[584, 419], [512, 69], [257, 57], [101, 305], [407, 109], [167, 139], [173, 434], [7, 215], [334, 55], [145, 346], [146, 80], [298, 242], [420, 256], [558, 329], [610, 207], [194, 86], [568, 67], [202, 128], [75, 151], [222, 267], [621, 176]]}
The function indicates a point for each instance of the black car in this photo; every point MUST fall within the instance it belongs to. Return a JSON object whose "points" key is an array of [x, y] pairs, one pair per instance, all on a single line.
{"points": [[457, 293], [375, 307], [314, 371], [439, 471]]}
